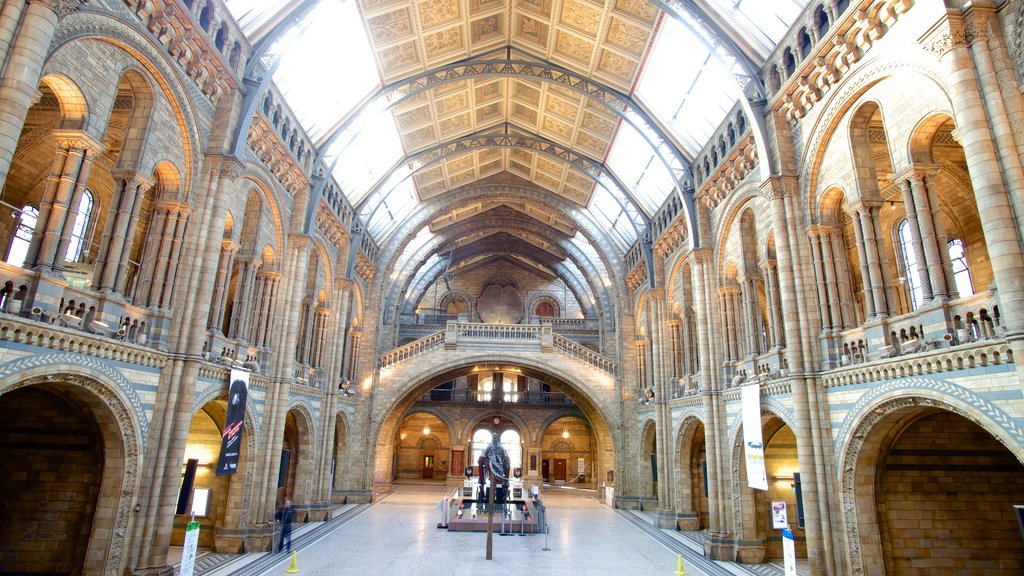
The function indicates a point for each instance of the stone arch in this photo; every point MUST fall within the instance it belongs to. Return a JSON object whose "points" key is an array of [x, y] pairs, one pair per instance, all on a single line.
{"points": [[647, 465], [865, 429], [690, 502], [184, 100], [122, 439], [74, 110], [339, 451], [474, 419], [136, 135], [556, 306], [588, 391], [300, 467]]}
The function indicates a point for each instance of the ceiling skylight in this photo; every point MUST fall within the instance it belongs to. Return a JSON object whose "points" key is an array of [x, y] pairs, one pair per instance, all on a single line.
{"points": [[326, 67], [691, 95], [763, 23]]}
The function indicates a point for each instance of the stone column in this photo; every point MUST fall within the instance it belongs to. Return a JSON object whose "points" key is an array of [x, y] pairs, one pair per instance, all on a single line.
{"points": [[865, 277], [844, 280], [248, 267], [990, 190], [868, 219], [831, 278], [264, 324], [59, 205], [20, 82], [113, 252], [772, 293], [819, 277], [929, 239], [220, 287], [676, 347], [9, 19], [916, 243]]}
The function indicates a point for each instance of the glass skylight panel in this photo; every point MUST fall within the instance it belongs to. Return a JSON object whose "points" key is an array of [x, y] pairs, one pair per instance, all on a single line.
{"points": [[251, 14], [763, 23], [327, 67], [639, 169], [612, 217], [367, 157], [398, 204], [692, 95]]}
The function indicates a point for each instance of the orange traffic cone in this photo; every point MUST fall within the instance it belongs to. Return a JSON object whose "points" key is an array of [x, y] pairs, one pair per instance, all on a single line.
{"points": [[294, 568]]}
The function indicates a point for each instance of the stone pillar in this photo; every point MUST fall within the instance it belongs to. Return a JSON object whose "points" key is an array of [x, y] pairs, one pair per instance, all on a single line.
{"points": [[865, 277], [20, 82], [116, 245], [819, 276], [990, 190], [9, 19], [264, 322], [844, 281], [868, 220], [220, 287], [831, 278], [933, 251], [59, 205], [771, 281], [248, 267]]}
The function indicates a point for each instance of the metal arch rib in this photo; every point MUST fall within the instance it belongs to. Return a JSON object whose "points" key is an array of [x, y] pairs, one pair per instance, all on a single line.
{"points": [[719, 43], [620, 104], [596, 170], [623, 106]]}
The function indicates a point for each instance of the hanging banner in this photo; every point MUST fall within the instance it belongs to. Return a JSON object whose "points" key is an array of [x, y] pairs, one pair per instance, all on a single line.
{"points": [[231, 438], [753, 447], [188, 551]]}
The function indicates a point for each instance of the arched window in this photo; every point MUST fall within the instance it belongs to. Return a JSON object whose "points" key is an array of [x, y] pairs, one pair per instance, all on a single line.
{"points": [[961, 272], [23, 235], [911, 273], [510, 440], [76, 247], [544, 310]]}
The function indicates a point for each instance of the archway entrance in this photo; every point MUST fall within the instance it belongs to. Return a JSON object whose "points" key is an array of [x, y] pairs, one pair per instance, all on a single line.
{"points": [[693, 489], [458, 403], [63, 458], [944, 496], [215, 500]]}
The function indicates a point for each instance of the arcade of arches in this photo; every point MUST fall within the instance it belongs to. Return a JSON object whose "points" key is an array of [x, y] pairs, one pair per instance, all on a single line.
{"points": [[526, 218]]}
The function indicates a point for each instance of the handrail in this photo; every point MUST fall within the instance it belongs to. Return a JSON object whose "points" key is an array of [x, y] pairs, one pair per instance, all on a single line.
{"points": [[411, 349], [584, 353]]}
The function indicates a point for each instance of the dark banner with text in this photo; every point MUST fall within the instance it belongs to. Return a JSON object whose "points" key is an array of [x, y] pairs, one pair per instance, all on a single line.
{"points": [[231, 438]]}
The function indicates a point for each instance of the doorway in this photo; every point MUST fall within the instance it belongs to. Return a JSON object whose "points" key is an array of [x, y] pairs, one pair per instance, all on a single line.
{"points": [[559, 470], [428, 466], [544, 472]]}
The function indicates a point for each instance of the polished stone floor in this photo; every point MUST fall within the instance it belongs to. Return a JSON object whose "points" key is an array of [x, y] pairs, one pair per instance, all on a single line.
{"points": [[398, 535]]}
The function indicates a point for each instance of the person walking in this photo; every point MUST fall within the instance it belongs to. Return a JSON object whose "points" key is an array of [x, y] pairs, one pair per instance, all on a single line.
{"points": [[285, 515]]}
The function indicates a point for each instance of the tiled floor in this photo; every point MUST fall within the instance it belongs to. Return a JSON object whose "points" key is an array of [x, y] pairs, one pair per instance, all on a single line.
{"points": [[399, 536]]}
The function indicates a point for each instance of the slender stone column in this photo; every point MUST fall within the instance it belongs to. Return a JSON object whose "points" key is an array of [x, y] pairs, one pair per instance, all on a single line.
{"points": [[59, 206], [865, 278], [270, 280], [220, 287], [248, 267], [941, 239], [115, 247], [877, 279], [20, 81], [831, 279], [917, 239], [819, 276], [929, 240], [844, 279], [772, 293]]}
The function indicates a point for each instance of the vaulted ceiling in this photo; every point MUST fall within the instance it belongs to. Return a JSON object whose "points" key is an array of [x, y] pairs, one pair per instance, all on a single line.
{"points": [[480, 93]]}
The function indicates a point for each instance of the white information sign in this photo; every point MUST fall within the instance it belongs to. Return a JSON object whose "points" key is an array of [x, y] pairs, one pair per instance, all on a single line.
{"points": [[789, 552], [753, 448], [188, 552]]}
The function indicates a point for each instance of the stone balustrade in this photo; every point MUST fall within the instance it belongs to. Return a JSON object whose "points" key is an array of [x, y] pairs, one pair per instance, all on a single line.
{"points": [[535, 336], [932, 362], [67, 339]]}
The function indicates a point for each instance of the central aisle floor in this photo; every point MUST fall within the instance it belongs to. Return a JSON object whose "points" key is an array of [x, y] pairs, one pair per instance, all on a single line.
{"points": [[398, 536]]}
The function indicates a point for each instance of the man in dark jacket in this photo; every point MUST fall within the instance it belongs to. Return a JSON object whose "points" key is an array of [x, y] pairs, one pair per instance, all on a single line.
{"points": [[285, 515]]}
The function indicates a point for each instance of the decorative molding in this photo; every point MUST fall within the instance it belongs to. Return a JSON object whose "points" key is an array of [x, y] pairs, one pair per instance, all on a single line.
{"points": [[333, 230], [730, 172], [834, 60], [365, 268], [78, 363], [186, 45], [265, 143]]}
